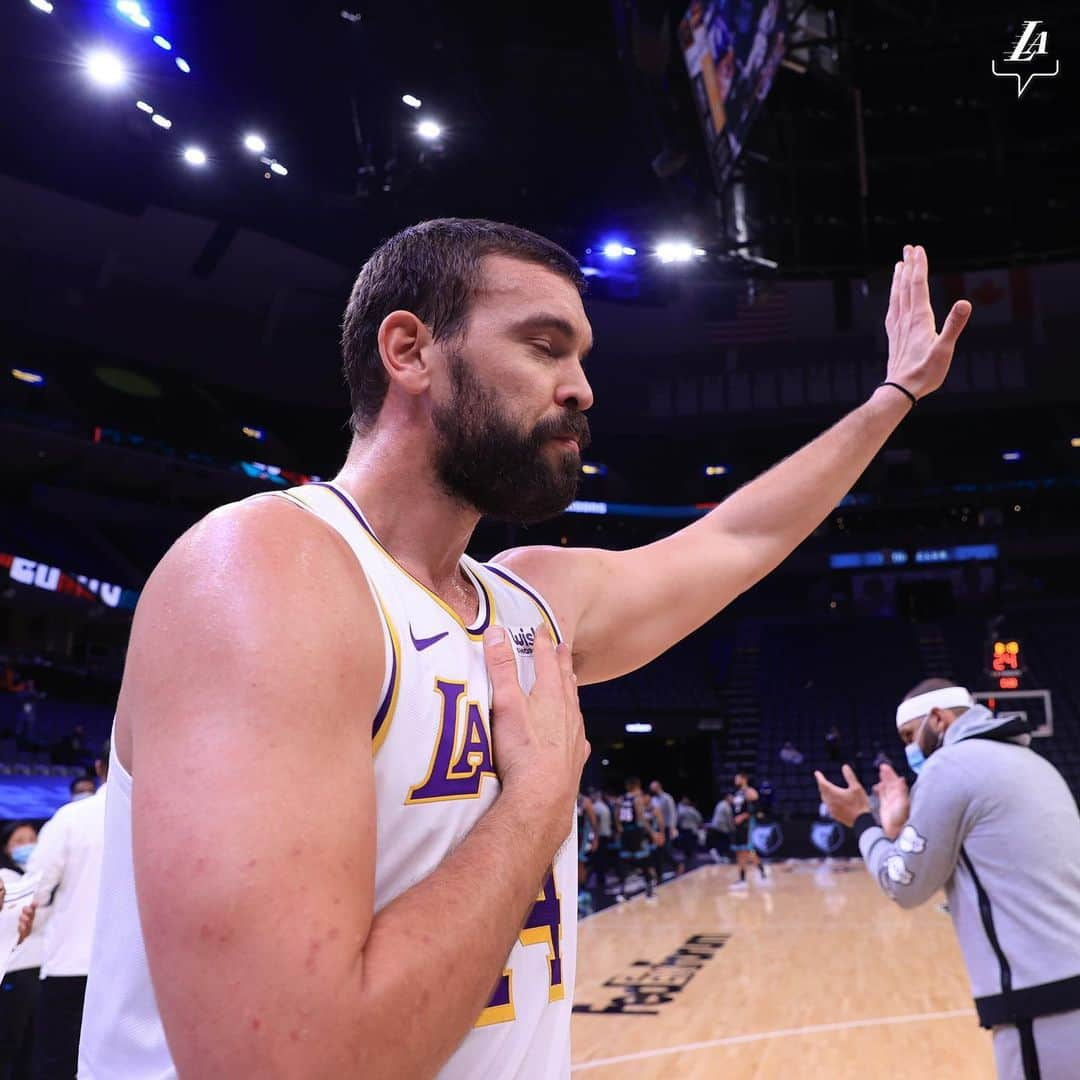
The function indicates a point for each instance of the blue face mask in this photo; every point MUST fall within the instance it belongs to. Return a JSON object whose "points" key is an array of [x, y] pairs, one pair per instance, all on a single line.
{"points": [[915, 757], [21, 855]]}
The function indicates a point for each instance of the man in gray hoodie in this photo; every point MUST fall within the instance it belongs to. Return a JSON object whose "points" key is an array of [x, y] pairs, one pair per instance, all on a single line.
{"points": [[996, 826]]}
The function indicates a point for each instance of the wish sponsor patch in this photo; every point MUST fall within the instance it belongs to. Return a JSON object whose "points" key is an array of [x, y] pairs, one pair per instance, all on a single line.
{"points": [[524, 639]]}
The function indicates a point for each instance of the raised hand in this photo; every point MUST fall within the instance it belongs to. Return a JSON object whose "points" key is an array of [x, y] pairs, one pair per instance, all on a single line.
{"points": [[892, 790], [845, 804], [919, 357]]}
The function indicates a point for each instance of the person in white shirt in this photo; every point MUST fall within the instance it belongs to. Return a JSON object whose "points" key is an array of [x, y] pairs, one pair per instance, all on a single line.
{"points": [[19, 991], [68, 857]]}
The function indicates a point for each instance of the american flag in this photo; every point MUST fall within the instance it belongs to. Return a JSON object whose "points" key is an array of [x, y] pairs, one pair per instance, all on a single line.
{"points": [[750, 312]]}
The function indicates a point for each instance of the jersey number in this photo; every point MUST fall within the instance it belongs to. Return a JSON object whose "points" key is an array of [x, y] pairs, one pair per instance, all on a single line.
{"points": [[542, 927]]}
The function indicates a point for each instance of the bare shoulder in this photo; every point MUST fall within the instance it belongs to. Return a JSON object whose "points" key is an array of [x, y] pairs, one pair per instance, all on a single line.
{"points": [[561, 575], [255, 590]]}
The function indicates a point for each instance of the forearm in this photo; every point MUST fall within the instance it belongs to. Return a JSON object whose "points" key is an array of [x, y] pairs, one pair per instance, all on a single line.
{"points": [[778, 510], [907, 876], [434, 955]]}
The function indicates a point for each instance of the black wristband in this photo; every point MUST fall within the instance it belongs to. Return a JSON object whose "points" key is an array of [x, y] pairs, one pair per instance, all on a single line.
{"points": [[863, 822], [903, 390]]}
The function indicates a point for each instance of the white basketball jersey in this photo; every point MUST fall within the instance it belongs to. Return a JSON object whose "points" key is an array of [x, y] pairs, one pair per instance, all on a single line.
{"points": [[434, 780]]}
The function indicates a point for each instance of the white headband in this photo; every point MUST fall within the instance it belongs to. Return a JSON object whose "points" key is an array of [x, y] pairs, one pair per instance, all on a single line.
{"points": [[949, 697]]}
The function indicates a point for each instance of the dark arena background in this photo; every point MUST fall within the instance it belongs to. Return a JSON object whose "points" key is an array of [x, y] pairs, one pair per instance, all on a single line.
{"points": [[187, 191]]}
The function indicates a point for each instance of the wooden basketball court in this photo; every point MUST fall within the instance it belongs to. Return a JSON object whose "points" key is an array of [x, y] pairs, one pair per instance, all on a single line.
{"points": [[815, 975]]}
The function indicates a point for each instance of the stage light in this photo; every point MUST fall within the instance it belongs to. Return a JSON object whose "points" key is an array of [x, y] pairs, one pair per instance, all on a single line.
{"points": [[42, 5], [139, 19], [105, 68], [613, 251], [593, 469], [1074, 442], [183, 65], [716, 470], [1011, 455], [32, 378], [128, 7], [255, 143], [254, 433], [142, 106], [638, 729], [669, 251], [277, 167], [412, 102], [193, 155], [428, 129], [163, 43], [161, 121], [629, 250]]}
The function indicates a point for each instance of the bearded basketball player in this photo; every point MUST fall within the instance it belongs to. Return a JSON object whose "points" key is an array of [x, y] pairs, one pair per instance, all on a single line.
{"points": [[372, 872]]}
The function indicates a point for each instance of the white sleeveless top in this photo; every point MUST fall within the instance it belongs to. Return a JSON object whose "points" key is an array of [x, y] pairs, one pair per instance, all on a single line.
{"points": [[434, 779]]}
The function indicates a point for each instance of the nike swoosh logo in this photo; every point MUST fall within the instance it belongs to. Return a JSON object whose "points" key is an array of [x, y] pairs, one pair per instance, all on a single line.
{"points": [[420, 644]]}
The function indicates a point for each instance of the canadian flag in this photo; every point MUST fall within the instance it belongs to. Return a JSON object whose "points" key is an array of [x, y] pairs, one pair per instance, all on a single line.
{"points": [[997, 296]]}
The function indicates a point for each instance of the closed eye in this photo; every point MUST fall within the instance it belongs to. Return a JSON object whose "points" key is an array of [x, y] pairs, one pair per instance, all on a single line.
{"points": [[543, 346]]}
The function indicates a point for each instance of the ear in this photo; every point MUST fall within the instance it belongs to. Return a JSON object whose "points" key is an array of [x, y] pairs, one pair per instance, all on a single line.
{"points": [[940, 719], [403, 337]]}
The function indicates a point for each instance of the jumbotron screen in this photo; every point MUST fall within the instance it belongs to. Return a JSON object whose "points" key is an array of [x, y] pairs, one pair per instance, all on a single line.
{"points": [[732, 49]]}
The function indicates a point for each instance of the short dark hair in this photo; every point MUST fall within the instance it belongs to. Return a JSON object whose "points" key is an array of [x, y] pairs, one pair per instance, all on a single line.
{"points": [[433, 270], [81, 780], [7, 830], [927, 686]]}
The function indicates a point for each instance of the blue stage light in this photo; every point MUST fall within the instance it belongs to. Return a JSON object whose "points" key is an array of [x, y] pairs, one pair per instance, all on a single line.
{"points": [[163, 43], [183, 65]]}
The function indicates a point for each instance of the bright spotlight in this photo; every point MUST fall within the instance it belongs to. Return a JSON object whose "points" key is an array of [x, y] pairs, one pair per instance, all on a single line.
{"points": [[42, 5], [183, 65], [105, 68], [139, 19], [629, 250], [674, 251], [161, 121], [412, 102], [255, 143], [193, 155], [163, 43], [428, 129], [716, 470], [142, 106], [1011, 455], [128, 7], [33, 378], [613, 250], [277, 167]]}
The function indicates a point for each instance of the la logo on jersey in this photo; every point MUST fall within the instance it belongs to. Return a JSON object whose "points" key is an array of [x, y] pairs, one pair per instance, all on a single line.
{"points": [[1029, 58]]}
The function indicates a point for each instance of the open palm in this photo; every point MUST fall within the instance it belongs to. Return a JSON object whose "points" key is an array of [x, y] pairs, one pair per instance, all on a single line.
{"points": [[895, 801], [919, 357]]}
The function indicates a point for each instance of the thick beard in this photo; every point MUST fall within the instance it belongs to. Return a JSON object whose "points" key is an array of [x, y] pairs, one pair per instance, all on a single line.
{"points": [[484, 462]]}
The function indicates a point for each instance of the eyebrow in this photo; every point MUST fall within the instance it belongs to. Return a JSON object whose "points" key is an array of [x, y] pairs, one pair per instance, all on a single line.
{"points": [[546, 321]]}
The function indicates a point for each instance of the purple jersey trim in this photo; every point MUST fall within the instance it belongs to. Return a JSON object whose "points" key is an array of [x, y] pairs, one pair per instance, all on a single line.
{"points": [[391, 687], [535, 597], [484, 596]]}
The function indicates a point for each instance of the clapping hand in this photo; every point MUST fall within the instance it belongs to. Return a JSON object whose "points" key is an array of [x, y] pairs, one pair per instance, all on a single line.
{"points": [[845, 804], [892, 790]]}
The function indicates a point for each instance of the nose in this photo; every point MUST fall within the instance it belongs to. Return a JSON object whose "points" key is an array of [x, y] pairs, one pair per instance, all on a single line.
{"points": [[574, 391]]}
